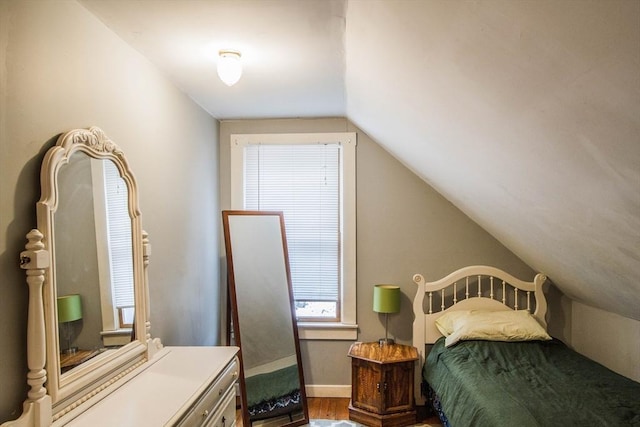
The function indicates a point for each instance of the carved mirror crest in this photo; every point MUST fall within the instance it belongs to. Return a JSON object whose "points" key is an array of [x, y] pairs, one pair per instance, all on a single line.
{"points": [[86, 269]]}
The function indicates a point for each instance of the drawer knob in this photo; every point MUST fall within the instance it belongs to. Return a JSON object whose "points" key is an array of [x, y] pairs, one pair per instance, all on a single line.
{"points": [[205, 413]]}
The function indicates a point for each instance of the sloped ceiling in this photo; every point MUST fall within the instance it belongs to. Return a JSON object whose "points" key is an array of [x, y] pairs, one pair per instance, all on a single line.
{"points": [[524, 114]]}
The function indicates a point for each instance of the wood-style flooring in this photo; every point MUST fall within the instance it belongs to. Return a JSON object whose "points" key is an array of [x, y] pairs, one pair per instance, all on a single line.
{"points": [[328, 408]]}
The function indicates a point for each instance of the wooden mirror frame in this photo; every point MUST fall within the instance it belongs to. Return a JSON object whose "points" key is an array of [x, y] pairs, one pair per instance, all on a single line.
{"points": [[246, 421], [65, 393]]}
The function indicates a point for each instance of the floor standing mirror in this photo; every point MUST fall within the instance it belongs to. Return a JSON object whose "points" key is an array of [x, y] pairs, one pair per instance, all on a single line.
{"points": [[263, 315]]}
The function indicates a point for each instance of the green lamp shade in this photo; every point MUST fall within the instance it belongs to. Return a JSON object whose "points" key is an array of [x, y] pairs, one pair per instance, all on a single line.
{"points": [[69, 308], [386, 299]]}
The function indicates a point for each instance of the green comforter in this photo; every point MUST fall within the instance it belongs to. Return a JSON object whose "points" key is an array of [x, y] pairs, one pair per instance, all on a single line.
{"points": [[273, 385], [535, 383]]}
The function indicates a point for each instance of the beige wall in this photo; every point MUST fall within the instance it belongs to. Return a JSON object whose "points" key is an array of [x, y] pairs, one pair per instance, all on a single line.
{"points": [[607, 338], [61, 69], [403, 227]]}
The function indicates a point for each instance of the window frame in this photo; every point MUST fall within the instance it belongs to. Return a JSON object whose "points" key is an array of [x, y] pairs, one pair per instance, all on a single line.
{"points": [[114, 331], [346, 328]]}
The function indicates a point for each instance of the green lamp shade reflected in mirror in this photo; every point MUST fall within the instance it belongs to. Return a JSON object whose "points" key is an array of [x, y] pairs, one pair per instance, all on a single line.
{"points": [[69, 308]]}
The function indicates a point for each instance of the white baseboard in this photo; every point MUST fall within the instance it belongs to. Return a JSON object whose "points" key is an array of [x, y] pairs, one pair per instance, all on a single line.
{"points": [[328, 390]]}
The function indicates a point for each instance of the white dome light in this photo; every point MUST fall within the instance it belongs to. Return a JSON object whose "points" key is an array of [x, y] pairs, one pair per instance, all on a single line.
{"points": [[229, 66]]}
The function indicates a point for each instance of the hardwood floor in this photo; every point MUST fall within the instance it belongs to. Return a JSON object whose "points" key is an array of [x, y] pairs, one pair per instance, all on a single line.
{"points": [[331, 408], [328, 408]]}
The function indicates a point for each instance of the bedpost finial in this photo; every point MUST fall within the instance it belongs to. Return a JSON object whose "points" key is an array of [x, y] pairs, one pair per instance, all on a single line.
{"points": [[540, 279]]}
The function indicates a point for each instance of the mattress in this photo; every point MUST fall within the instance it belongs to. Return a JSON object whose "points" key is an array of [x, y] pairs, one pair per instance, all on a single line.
{"points": [[533, 383]]}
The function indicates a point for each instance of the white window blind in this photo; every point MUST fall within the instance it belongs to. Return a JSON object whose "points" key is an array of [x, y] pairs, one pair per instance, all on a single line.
{"points": [[302, 181], [119, 235]]}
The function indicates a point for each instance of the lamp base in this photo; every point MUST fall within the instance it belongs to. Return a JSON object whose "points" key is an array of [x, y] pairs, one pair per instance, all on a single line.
{"points": [[386, 341]]}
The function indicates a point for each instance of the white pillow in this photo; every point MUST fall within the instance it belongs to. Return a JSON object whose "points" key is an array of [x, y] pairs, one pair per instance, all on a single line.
{"points": [[444, 323], [510, 325]]}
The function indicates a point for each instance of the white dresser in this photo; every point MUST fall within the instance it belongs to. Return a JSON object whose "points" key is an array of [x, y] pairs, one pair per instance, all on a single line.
{"points": [[180, 386], [140, 383]]}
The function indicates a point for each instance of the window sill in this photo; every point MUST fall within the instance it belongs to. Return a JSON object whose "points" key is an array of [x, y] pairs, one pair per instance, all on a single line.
{"points": [[116, 337], [327, 331]]}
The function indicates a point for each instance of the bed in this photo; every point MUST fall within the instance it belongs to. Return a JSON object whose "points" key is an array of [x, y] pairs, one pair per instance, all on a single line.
{"points": [[492, 363]]}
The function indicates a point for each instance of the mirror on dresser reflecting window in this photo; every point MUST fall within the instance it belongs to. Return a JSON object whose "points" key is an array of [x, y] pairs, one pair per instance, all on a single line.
{"points": [[93, 258], [86, 269], [264, 324]]}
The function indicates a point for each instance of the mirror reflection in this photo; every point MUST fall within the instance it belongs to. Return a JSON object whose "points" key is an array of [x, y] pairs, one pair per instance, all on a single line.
{"points": [[93, 259], [272, 387]]}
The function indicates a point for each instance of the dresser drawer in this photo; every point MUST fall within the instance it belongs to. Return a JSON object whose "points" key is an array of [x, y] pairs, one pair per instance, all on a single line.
{"points": [[225, 415], [212, 397]]}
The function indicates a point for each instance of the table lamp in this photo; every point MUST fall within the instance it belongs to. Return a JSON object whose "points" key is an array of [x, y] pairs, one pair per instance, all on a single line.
{"points": [[69, 310], [386, 299]]}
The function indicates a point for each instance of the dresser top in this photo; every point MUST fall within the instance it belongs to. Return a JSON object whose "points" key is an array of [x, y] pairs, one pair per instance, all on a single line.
{"points": [[172, 380]]}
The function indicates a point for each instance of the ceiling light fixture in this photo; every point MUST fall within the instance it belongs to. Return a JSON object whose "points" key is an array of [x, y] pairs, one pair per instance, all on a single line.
{"points": [[229, 66]]}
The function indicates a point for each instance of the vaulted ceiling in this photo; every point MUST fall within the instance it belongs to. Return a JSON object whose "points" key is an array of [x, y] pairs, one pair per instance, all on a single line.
{"points": [[524, 114]]}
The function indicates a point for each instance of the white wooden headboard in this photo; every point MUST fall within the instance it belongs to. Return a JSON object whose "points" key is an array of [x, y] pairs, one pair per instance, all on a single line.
{"points": [[470, 288]]}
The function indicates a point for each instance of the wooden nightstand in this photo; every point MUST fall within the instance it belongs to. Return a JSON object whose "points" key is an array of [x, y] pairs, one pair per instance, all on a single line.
{"points": [[71, 360], [382, 384]]}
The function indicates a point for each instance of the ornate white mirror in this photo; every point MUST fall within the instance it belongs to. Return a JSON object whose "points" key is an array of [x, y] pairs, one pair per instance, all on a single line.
{"points": [[264, 323], [86, 269]]}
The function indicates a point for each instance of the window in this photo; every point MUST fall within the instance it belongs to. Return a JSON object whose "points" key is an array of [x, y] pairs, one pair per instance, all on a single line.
{"points": [[311, 179], [120, 249], [115, 254]]}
